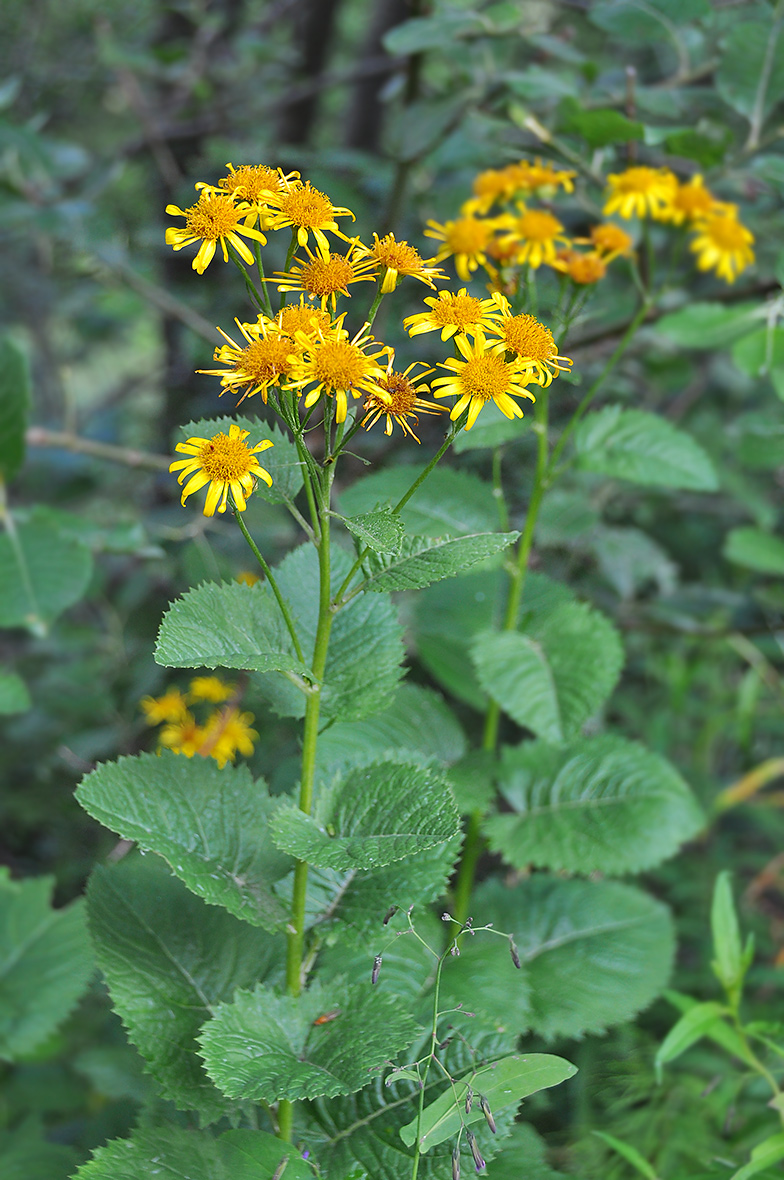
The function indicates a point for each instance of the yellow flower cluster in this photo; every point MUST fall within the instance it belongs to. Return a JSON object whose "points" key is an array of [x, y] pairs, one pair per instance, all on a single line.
{"points": [[224, 733]]}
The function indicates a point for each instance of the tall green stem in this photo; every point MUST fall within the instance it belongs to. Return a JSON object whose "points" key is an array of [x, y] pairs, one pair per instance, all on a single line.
{"points": [[281, 601]]}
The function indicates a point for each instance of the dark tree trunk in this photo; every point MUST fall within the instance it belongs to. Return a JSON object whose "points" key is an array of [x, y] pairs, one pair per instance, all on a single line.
{"points": [[314, 21], [365, 114]]}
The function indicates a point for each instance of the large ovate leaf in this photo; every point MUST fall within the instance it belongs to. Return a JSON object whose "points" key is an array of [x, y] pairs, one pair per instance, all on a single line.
{"points": [[210, 824], [226, 625], [365, 648], [45, 963], [281, 460], [599, 804], [42, 573], [595, 953], [504, 1083], [14, 697], [25, 1154], [449, 502], [751, 75], [265, 1046], [556, 675], [492, 428], [755, 550], [423, 560], [642, 448], [375, 815], [168, 960], [709, 325], [14, 405]]}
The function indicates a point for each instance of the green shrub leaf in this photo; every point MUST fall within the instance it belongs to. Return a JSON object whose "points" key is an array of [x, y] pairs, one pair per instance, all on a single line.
{"points": [[210, 824], [41, 576], [755, 550], [14, 405], [449, 502], [708, 326], [14, 697], [643, 448], [752, 68], [45, 963], [599, 804], [555, 676], [377, 814], [423, 560], [265, 1047], [381, 531]]}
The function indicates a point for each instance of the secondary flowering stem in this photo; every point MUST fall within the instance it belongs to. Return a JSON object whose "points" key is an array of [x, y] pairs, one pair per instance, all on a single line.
{"points": [[281, 601]]}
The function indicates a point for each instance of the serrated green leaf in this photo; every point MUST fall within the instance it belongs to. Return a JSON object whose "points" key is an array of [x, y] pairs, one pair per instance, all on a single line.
{"points": [[375, 815], [449, 502], [751, 74], [365, 650], [25, 1154], [226, 625], [210, 824], [14, 697], [168, 960], [42, 573], [755, 550], [555, 676], [381, 531], [643, 448], [14, 405], [422, 560], [523, 1157], [594, 953], [265, 1047], [45, 963], [492, 428], [696, 1023], [599, 804], [281, 460], [709, 325], [504, 1083], [473, 781]]}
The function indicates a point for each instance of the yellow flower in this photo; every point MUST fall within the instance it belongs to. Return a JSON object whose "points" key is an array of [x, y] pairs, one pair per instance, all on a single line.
{"points": [[483, 376], [325, 276], [640, 192], [247, 578], [302, 317], [540, 178], [255, 182], [536, 234], [336, 366], [465, 239], [400, 259], [210, 688], [723, 244], [307, 211], [531, 341], [450, 314], [226, 463], [398, 397], [170, 707], [227, 733], [690, 202], [582, 269], [215, 218], [183, 737], [490, 187], [263, 361], [610, 241]]}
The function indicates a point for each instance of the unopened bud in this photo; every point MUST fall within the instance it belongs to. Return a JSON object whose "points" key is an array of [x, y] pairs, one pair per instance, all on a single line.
{"points": [[389, 915], [455, 951], [281, 1168], [484, 1106], [469, 1100], [376, 968], [455, 1163], [475, 1152], [443, 1044], [446, 917], [513, 951]]}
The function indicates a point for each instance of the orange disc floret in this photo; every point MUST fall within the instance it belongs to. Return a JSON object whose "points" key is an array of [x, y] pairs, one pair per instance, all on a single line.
{"points": [[483, 376], [398, 397], [214, 218], [263, 361], [450, 314], [307, 211], [325, 276], [226, 463], [531, 341], [399, 260]]}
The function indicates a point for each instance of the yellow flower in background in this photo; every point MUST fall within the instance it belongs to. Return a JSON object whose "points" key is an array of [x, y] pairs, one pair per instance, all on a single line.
{"points": [[182, 737], [450, 314], [582, 269], [400, 261], [210, 688], [247, 578], [466, 240], [398, 397], [302, 317], [265, 358], [307, 211], [482, 377], [540, 178], [640, 192], [169, 707], [324, 276], [610, 241], [689, 202], [491, 187], [228, 733], [531, 341], [536, 234], [226, 463], [215, 218], [336, 366], [723, 244]]}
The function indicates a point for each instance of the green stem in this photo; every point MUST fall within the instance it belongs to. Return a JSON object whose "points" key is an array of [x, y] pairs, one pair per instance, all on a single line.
{"points": [[430, 1059], [371, 315], [262, 279], [289, 256], [281, 601]]}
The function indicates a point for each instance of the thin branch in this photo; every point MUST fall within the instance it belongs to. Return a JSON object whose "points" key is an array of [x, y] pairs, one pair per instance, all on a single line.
{"points": [[37, 436]]}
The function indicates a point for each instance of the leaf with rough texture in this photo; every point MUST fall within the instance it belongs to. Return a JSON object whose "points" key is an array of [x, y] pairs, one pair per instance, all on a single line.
{"points": [[210, 824], [503, 1083], [281, 460], [265, 1047], [14, 405], [755, 550], [709, 325], [14, 697], [226, 625], [381, 531], [491, 429], [449, 502], [523, 1157], [25, 1154], [365, 649], [45, 963], [595, 953], [168, 960], [599, 804], [42, 577], [424, 560], [554, 677], [642, 448], [375, 815]]}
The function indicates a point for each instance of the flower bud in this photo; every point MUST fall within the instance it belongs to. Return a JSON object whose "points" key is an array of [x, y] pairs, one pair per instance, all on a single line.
{"points": [[455, 1163], [469, 1102], [389, 915], [484, 1106], [281, 1168], [376, 968], [475, 1152], [513, 951]]}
